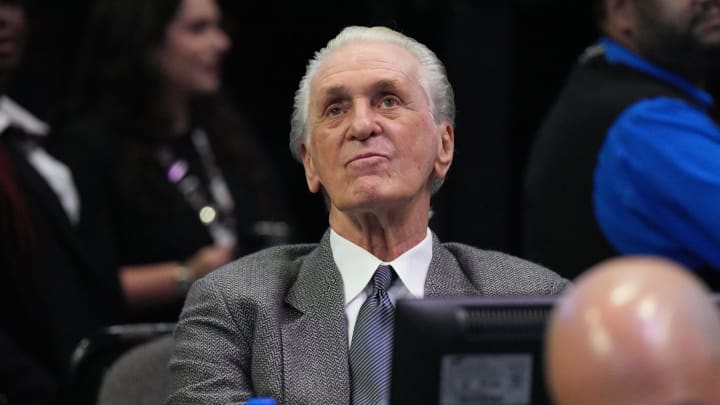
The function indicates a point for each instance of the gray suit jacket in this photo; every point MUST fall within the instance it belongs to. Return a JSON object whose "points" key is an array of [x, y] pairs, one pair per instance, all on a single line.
{"points": [[273, 323]]}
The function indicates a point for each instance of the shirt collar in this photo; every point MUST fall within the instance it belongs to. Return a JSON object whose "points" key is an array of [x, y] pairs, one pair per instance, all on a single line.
{"points": [[11, 114], [616, 53], [357, 265]]}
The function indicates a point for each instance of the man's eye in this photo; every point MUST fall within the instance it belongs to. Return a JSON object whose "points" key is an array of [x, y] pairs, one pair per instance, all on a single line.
{"points": [[334, 110], [389, 102]]}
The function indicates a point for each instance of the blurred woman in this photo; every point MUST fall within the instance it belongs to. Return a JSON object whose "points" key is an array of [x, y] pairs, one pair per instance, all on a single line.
{"points": [[168, 172]]}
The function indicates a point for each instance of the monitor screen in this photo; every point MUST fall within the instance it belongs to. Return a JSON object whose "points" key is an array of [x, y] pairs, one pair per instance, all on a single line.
{"points": [[470, 350]]}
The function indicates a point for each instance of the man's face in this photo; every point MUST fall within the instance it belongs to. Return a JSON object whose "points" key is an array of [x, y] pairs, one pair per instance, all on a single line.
{"points": [[13, 32], [373, 142], [668, 31]]}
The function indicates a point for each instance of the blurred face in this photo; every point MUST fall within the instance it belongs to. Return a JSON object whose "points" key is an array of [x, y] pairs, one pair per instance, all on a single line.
{"points": [[191, 54], [373, 141], [670, 30], [13, 32]]}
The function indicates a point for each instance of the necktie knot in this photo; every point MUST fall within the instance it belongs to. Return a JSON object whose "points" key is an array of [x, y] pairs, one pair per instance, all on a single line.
{"points": [[382, 279]]}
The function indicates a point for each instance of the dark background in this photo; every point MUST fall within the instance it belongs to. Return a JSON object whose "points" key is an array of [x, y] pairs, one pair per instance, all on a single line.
{"points": [[506, 61]]}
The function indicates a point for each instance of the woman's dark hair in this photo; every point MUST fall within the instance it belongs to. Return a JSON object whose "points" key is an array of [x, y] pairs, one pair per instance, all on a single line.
{"points": [[22, 3], [118, 89], [115, 73]]}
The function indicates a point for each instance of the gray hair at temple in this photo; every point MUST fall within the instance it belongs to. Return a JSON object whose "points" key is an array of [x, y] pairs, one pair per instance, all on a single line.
{"points": [[433, 79]]}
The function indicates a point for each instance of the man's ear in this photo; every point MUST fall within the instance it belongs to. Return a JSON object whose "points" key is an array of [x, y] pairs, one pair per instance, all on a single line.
{"points": [[446, 149], [313, 181]]}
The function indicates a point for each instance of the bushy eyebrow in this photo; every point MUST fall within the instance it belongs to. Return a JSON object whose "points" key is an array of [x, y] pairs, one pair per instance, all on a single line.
{"points": [[332, 95], [341, 91], [386, 85], [334, 92]]}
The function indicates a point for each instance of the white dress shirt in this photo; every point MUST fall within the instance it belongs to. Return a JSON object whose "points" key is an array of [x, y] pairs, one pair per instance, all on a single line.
{"points": [[56, 174], [357, 267]]}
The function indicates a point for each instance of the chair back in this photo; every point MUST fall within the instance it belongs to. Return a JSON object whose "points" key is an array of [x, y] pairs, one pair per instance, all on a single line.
{"points": [[140, 376], [94, 355]]}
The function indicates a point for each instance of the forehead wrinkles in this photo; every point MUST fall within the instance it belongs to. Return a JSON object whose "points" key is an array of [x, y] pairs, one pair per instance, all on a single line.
{"points": [[363, 55], [367, 55]]}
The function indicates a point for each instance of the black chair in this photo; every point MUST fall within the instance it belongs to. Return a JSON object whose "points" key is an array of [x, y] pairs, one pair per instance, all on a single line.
{"points": [[140, 376], [96, 354]]}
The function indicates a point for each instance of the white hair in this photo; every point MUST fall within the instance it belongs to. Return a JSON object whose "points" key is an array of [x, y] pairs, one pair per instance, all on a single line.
{"points": [[433, 79]]}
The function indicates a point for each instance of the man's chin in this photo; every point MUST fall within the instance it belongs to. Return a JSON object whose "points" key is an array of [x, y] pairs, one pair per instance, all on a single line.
{"points": [[711, 41], [707, 37]]}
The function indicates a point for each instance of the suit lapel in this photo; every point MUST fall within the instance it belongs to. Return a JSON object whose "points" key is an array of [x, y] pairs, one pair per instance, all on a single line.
{"points": [[36, 186], [314, 334], [37, 190], [445, 276]]}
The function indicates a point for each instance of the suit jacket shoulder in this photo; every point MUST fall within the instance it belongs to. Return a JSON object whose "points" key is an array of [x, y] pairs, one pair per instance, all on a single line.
{"points": [[269, 324], [496, 273], [267, 273]]}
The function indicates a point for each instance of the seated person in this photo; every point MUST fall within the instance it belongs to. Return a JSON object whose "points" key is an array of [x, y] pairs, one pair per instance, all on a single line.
{"points": [[173, 179], [52, 292], [635, 330], [626, 161], [312, 324]]}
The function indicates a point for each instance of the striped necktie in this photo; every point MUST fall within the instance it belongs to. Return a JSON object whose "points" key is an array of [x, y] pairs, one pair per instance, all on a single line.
{"points": [[371, 349]]}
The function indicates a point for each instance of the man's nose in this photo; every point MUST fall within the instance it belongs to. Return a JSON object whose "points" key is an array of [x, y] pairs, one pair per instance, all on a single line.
{"points": [[363, 122]]}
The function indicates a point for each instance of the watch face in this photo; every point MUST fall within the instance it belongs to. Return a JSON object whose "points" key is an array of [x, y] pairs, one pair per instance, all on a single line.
{"points": [[184, 277]]}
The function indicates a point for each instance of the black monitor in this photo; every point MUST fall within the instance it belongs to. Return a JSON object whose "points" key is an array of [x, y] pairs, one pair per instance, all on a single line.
{"points": [[470, 350]]}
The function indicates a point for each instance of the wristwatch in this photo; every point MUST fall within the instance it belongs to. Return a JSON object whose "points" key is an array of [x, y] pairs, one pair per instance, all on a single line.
{"points": [[184, 277]]}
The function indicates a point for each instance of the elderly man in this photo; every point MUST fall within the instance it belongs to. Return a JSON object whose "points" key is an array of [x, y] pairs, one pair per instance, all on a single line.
{"points": [[635, 330], [628, 160], [312, 324]]}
